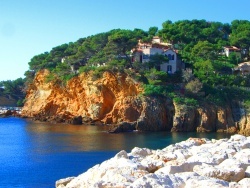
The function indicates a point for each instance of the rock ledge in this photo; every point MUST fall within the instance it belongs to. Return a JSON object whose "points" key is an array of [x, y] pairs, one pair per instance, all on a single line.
{"points": [[192, 163]]}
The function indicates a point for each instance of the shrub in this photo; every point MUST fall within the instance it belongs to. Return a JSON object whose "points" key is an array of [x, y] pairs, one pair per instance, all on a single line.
{"points": [[194, 86], [158, 90], [50, 77], [86, 69], [188, 102], [156, 77], [246, 105], [187, 75], [20, 103]]}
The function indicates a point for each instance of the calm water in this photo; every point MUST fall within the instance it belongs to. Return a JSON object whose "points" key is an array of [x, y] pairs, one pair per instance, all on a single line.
{"points": [[36, 154]]}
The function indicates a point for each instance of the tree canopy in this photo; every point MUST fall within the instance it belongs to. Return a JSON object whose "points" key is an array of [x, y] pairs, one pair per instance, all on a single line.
{"points": [[199, 44]]}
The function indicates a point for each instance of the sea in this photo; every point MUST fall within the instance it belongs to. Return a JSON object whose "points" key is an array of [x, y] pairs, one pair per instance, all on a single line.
{"points": [[35, 154]]}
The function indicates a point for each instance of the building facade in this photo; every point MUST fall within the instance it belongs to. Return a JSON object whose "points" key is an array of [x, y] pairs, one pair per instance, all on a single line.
{"points": [[144, 51]]}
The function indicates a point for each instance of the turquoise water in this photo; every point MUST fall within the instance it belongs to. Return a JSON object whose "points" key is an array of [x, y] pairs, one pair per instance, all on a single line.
{"points": [[34, 154]]}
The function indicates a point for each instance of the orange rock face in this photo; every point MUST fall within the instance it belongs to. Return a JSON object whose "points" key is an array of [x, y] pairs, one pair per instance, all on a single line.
{"points": [[112, 99], [116, 99], [99, 99]]}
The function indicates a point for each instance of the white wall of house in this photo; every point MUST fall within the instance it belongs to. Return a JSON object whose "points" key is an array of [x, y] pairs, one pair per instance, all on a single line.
{"points": [[171, 66], [243, 68], [228, 50], [147, 52]]}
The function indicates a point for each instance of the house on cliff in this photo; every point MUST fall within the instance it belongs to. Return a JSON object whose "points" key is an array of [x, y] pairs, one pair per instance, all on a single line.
{"points": [[144, 51], [242, 68], [227, 50]]}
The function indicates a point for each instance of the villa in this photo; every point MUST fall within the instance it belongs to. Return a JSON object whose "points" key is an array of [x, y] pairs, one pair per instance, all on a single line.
{"points": [[242, 68], [232, 49], [144, 50], [142, 54]]}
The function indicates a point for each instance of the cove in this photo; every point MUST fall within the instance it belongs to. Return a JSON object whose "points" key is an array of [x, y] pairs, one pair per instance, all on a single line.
{"points": [[35, 154]]}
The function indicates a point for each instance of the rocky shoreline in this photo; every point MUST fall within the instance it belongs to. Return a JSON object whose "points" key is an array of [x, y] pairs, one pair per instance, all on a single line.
{"points": [[9, 113], [192, 163], [118, 100]]}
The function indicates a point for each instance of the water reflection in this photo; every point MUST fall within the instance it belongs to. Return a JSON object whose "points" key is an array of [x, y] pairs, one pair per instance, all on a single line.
{"points": [[71, 138], [66, 138]]}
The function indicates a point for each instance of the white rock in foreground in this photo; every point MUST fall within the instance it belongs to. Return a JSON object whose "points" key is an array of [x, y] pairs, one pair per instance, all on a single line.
{"points": [[191, 163]]}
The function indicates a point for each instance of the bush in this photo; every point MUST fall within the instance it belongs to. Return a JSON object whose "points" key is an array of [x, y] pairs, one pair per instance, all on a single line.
{"points": [[194, 86], [247, 105], [86, 69], [50, 77], [20, 102], [158, 90], [188, 102], [187, 75], [156, 77]]}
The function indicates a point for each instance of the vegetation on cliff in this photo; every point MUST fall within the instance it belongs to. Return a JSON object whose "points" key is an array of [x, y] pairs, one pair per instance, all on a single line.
{"points": [[208, 75]]}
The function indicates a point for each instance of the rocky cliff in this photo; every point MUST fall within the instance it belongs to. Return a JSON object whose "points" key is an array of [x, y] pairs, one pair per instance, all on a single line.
{"points": [[117, 99], [112, 99]]}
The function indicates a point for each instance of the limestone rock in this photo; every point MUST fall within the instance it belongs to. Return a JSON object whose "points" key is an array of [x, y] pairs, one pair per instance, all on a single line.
{"points": [[247, 172], [190, 163], [63, 182], [122, 154], [141, 152], [244, 183], [235, 174], [153, 180]]}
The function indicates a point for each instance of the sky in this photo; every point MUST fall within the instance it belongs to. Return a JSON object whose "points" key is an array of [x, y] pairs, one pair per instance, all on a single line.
{"points": [[32, 27]]}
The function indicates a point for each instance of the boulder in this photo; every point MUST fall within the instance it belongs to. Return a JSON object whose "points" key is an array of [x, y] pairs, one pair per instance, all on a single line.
{"points": [[154, 180], [77, 120], [140, 152], [63, 182], [244, 183], [226, 174], [191, 163], [122, 127], [247, 172]]}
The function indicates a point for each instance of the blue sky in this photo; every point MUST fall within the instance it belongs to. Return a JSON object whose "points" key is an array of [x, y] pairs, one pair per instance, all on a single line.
{"points": [[31, 27]]}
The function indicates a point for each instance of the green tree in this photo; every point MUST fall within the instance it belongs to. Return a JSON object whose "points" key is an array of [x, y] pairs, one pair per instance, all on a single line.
{"points": [[13, 87], [203, 50], [119, 45], [156, 60], [204, 70], [152, 31], [234, 59], [156, 77], [240, 35], [38, 62]]}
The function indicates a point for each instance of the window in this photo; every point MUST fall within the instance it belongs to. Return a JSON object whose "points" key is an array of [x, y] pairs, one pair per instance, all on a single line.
{"points": [[169, 69], [169, 57], [172, 57]]}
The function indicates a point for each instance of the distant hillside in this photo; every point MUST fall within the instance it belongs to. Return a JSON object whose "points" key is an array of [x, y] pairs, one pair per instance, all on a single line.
{"points": [[7, 101], [12, 92]]}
